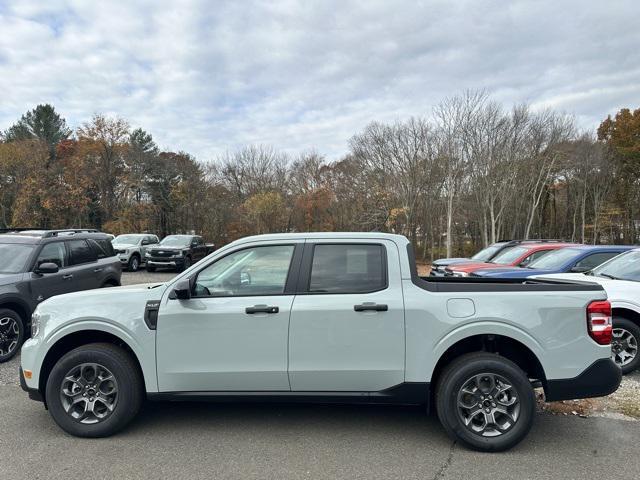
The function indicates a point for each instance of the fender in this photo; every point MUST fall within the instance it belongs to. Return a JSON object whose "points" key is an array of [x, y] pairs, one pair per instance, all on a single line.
{"points": [[625, 304], [104, 325], [488, 327], [9, 298]]}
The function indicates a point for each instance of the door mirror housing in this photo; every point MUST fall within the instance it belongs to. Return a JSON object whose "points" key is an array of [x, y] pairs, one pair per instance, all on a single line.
{"points": [[145, 242], [47, 267], [579, 269], [182, 290]]}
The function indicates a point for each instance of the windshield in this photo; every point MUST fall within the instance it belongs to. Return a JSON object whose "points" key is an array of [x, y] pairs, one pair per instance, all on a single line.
{"points": [[485, 254], [555, 259], [13, 257], [623, 267], [509, 255], [127, 239], [176, 241]]}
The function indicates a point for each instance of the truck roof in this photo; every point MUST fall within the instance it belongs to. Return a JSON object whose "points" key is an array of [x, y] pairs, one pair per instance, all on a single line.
{"points": [[326, 235]]}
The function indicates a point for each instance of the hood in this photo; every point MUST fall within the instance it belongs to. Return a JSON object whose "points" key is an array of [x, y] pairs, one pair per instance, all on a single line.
{"points": [[93, 299], [469, 267], [160, 247], [621, 293], [443, 262], [511, 272], [10, 278], [124, 245]]}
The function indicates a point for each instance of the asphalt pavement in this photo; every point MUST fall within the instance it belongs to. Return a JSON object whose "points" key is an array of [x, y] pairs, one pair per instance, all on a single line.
{"points": [[247, 441]]}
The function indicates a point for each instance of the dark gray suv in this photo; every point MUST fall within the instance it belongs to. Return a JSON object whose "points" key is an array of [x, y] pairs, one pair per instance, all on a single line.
{"points": [[38, 264]]}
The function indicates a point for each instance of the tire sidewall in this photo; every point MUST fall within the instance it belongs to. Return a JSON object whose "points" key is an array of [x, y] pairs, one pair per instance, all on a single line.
{"points": [[447, 403], [127, 403], [634, 329], [5, 312], [134, 261]]}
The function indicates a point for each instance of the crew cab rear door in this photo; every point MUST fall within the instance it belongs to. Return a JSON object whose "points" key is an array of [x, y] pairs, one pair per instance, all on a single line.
{"points": [[347, 321]]}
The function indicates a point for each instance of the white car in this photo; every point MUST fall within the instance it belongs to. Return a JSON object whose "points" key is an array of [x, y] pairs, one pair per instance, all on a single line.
{"points": [[620, 277]]}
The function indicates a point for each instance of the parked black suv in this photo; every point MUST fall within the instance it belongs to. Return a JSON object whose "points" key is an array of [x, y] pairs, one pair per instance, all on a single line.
{"points": [[178, 252], [38, 264]]}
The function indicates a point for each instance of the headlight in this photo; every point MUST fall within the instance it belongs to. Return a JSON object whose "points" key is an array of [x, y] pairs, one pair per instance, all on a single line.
{"points": [[460, 274], [35, 323], [147, 254], [440, 268]]}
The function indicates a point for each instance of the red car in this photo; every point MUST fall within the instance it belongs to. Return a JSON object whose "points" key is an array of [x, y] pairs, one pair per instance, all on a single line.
{"points": [[518, 256]]}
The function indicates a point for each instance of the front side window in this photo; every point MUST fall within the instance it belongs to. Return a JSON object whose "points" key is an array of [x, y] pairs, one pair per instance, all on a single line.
{"points": [[13, 257], [53, 253], [533, 257], [348, 268], [592, 261], [81, 252], [252, 271]]}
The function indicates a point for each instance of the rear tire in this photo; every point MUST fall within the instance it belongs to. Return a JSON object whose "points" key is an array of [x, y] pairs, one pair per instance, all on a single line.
{"points": [[12, 334], [94, 390], [485, 402], [624, 345]]}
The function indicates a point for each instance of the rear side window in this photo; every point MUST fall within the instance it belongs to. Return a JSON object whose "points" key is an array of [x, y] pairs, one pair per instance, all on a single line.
{"points": [[81, 252], [102, 247], [348, 268], [53, 253]]}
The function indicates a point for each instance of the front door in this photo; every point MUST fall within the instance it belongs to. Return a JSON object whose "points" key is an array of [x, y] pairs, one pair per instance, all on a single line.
{"points": [[232, 334], [45, 285], [347, 320]]}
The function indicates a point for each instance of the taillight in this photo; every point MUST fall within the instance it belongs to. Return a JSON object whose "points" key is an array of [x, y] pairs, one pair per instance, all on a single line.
{"points": [[599, 322]]}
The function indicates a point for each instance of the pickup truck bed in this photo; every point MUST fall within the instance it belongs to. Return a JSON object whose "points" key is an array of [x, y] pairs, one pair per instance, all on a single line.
{"points": [[331, 317]]}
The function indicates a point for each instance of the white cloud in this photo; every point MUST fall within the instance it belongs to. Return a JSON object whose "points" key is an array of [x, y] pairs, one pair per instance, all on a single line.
{"points": [[207, 77]]}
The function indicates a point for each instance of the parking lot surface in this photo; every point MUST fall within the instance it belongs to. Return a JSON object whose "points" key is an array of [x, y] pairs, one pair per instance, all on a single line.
{"points": [[246, 441]]}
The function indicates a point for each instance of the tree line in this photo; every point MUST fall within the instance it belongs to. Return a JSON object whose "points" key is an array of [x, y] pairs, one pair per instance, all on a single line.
{"points": [[468, 174]]}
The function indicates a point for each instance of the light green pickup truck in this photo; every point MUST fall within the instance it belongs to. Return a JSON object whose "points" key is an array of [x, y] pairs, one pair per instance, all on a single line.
{"points": [[326, 317]]}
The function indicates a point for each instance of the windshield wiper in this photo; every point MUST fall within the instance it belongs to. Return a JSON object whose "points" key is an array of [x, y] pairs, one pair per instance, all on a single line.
{"points": [[608, 276]]}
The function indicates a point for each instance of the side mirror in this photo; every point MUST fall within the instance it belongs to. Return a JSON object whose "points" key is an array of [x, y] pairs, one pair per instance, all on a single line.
{"points": [[47, 267], [145, 242], [182, 290], [579, 269]]}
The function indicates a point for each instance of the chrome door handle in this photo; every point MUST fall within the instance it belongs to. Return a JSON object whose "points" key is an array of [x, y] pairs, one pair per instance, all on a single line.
{"points": [[67, 277], [97, 270], [261, 309], [370, 306]]}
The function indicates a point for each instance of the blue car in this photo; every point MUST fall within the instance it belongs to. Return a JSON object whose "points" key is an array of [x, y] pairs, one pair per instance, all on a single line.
{"points": [[578, 259]]}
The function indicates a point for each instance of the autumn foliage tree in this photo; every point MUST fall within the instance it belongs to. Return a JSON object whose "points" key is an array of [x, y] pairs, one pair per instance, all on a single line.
{"points": [[470, 173]]}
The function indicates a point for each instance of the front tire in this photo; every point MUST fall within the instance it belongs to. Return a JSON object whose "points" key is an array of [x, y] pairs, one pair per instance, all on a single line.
{"points": [[134, 263], [485, 401], [624, 344], [94, 390], [12, 333]]}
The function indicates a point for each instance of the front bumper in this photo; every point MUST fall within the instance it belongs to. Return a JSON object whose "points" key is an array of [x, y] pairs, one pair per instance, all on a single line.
{"points": [[602, 378], [34, 393], [169, 262]]}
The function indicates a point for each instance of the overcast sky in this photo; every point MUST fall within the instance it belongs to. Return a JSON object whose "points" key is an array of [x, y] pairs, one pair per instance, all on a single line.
{"points": [[211, 76]]}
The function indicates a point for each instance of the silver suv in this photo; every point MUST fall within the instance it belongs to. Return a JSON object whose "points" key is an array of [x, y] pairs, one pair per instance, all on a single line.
{"points": [[131, 248]]}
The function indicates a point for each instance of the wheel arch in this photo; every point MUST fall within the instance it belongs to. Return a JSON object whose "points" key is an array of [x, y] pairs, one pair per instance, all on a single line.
{"points": [[628, 313], [18, 306], [503, 345], [76, 339]]}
